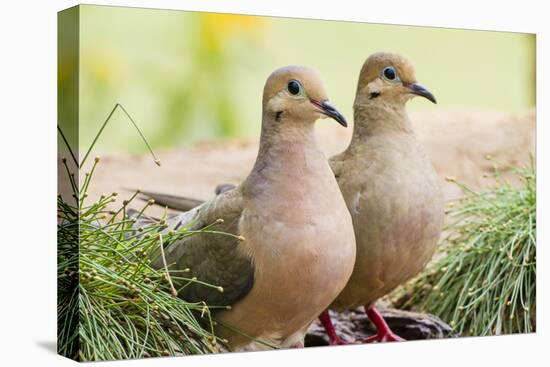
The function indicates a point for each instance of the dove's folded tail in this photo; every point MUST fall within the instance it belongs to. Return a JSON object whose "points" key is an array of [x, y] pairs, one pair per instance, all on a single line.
{"points": [[180, 203], [174, 202]]}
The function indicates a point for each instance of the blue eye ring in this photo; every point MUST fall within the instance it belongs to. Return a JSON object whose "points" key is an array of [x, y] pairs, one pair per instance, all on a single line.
{"points": [[294, 87], [390, 74]]}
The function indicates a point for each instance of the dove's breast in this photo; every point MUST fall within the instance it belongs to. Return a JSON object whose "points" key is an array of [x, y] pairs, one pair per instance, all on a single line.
{"points": [[396, 203], [302, 241]]}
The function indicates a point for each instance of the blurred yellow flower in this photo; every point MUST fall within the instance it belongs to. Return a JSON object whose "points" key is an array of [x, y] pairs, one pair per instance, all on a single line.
{"points": [[65, 70], [216, 28], [104, 65], [232, 22]]}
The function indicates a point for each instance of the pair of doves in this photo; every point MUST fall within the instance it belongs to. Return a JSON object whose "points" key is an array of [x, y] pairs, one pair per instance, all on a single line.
{"points": [[312, 234]]}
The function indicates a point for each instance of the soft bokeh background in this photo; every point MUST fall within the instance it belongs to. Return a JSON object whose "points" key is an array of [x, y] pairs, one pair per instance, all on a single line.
{"points": [[187, 76]]}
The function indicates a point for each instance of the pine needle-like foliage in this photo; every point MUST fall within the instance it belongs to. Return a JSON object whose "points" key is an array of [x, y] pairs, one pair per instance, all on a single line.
{"points": [[483, 281], [112, 303]]}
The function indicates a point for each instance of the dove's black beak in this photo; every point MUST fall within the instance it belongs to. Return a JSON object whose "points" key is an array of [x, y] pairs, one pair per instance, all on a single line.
{"points": [[327, 109], [420, 90]]}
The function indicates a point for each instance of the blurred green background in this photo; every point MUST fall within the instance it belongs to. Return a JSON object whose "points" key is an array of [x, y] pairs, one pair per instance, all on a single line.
{"points": [[187, 76]]}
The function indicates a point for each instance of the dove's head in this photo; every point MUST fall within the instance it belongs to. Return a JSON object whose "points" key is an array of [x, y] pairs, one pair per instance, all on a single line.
{"points": [[296, 94], [388, 78]]}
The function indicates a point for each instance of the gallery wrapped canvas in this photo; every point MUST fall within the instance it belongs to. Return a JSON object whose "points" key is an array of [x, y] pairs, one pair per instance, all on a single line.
{"points": [[235, 183]]}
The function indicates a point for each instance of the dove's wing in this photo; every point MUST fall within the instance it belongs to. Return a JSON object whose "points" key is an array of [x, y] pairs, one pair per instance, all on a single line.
{"points": [[336, 162], [213, 258], [221, 188]]}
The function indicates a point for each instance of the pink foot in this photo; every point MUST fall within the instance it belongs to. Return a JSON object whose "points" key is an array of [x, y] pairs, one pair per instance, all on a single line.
{"points": [[382, 338], [297, 345], [383, 331], [337, 341], [333, 338]]}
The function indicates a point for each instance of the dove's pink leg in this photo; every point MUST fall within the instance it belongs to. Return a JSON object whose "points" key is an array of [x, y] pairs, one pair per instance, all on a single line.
{"points": [[383, 331], [333, 338]]}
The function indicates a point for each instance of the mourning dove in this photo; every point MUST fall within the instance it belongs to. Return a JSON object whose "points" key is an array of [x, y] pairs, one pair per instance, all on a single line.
{"points": [[293, 246], [391, 189]]}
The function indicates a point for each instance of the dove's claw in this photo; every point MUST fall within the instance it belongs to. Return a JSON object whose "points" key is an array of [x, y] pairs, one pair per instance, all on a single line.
{"points": [[383, 331]]}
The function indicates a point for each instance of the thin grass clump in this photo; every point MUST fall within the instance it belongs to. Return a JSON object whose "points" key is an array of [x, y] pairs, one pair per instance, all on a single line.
{"points": [[483, 281], [112, 304], [119, 305]]}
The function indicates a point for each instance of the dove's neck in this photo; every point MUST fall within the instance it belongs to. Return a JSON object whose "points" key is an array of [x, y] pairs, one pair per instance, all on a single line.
{"points": [[379, 118], [289, 151]]}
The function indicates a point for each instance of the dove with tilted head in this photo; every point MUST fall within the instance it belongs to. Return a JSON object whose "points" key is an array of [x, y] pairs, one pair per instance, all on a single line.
{"points": [[391, 189], [296, 248]]}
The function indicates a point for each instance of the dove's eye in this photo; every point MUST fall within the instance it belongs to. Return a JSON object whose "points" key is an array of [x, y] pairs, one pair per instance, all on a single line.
{"points": [[390, 74], [294, 87]]}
